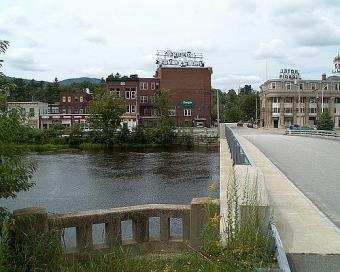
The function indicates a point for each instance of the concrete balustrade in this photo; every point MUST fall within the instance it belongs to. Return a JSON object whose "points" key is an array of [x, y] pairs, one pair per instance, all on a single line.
{"points": [[194, 219]]}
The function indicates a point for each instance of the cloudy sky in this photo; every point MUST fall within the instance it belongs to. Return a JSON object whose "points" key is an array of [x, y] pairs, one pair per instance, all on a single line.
{"points": [[64, 39]]}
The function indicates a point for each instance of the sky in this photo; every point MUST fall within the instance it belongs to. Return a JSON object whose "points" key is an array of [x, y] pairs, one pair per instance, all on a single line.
{"points": [[245, 42]]}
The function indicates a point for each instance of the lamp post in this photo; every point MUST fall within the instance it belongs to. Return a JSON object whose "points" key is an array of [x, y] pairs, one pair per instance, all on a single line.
{"points": [[296, 82]]}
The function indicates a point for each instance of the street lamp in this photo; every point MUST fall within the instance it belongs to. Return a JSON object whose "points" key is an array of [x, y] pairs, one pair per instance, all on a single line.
{"points": [[296, 82]]}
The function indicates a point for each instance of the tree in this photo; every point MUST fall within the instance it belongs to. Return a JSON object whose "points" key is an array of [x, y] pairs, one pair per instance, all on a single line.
{"points": [[15, 174], [326, 121], [105, 113], [165, 122]]}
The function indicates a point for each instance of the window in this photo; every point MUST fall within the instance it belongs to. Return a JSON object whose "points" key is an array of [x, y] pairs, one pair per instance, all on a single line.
{"points": [[64, 111], [313, 86], [276, 110], [302, 110], [127, 94], [172, 112], [273, 85], [81, 111], [325, 86], [301, 86], [143, 85], [81, 99], [132, 109], [337, 87], [69, 99], [127, 109], [276, 99], [288, 110], [133, 95], [144, 99], [64, 98], [312, 110], [288, 100], [31, 112], [325, 100], [153, 85], [312, 100], [337, 100], [187, 112], [288, 86]]}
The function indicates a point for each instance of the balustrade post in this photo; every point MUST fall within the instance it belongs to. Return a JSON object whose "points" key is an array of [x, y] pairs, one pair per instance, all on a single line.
{"points": [[164, 227], [198, 220], [113, 233], [140, 228], [84, 236]]}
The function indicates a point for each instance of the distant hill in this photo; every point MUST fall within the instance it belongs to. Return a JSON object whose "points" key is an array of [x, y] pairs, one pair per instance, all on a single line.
{"points": [[78, 80]]}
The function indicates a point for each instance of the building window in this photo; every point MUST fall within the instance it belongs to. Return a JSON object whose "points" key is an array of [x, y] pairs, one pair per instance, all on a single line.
{"points": [[301, 86], [153, 86], [288, 110], [31, 112], [337, 87], [81, 111], [312, 100], [302, 110], [64, 98], [64, 111], [69, 99], [276, 110], [132, 109], [144, 99], [325, 86], [128, 109], [187, 112], [273, 85], [143, 85], [127, 94], [337, 100], [288, 100], [133, 95], [312, 110], [325, 100], [276, 99], [81, 99], [313, 86], [288, 86]]}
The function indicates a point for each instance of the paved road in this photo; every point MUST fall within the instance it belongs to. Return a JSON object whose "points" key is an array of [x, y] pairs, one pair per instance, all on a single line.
{"points": [[312, 164]]}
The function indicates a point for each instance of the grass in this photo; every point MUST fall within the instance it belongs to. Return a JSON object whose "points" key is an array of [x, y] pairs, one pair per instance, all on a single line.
{"points": [[37, 147]]}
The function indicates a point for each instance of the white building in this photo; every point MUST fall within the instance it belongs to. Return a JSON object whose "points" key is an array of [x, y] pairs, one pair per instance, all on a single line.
{"points": [[30, 111]]}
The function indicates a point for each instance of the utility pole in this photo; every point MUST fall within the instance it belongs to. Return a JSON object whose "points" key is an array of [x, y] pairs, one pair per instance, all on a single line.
{"points": [[218, 113]]}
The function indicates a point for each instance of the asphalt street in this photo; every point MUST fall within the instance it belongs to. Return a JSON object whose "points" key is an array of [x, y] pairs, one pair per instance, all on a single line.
{"points": [[312, 164]]}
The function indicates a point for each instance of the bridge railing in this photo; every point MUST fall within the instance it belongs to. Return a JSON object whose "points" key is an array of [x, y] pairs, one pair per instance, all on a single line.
{"points": [[193, 220], [238, 153], [326, 133]]}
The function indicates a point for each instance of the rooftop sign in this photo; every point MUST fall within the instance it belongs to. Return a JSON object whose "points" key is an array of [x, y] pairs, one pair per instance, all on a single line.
{"points": [[289, 74], [179, 58]]}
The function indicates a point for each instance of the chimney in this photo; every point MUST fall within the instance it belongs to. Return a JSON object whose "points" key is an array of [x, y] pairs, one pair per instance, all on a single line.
{"points": [[323, 77]]}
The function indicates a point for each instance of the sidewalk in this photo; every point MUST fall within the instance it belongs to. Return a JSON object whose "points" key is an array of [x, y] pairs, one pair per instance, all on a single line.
{"points": [[302, 227]]}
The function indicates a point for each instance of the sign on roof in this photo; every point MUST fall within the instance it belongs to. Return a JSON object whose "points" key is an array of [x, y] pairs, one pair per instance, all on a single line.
{"points": [[179, 58], [289, 74]]}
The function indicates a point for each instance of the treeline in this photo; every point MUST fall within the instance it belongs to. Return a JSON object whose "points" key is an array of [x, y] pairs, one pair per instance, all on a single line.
{"points": [[236, 106], [49, 92]]}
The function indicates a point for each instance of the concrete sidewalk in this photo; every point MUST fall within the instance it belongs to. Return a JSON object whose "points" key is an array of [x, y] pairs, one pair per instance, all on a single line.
{"points": [[302, 226]]}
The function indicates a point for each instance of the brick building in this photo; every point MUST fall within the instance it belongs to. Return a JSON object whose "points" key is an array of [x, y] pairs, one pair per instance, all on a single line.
{"points": [[189, 87], [75, 102]]}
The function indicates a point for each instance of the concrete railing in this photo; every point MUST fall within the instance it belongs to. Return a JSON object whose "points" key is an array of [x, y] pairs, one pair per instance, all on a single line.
{"points": [[237, 166], [321, 133], [194, 219]]}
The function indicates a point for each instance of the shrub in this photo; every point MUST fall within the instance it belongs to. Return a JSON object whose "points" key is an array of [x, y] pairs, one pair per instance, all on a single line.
{"points": [[326, 121]]}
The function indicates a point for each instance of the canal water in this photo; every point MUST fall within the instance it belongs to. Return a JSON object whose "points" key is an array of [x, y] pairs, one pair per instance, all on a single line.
{"points": [[75, 181]]}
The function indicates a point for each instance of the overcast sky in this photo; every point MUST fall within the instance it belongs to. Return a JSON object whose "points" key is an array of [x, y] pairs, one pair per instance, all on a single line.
{"points": [[64, 39]]}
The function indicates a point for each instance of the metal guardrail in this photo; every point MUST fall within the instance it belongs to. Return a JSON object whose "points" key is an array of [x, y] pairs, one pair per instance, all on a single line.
{"points": [[238, 154], [327, 133]]}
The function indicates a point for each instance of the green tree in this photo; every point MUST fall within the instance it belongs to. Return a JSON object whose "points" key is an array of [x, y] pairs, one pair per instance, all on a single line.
{"points": [[326, 121], [15, 174], [165, 122], [105, 113]]}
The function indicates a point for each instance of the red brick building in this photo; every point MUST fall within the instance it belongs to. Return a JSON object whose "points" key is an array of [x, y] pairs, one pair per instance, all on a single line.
{"points": [[189, 87], [75, 102]]}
